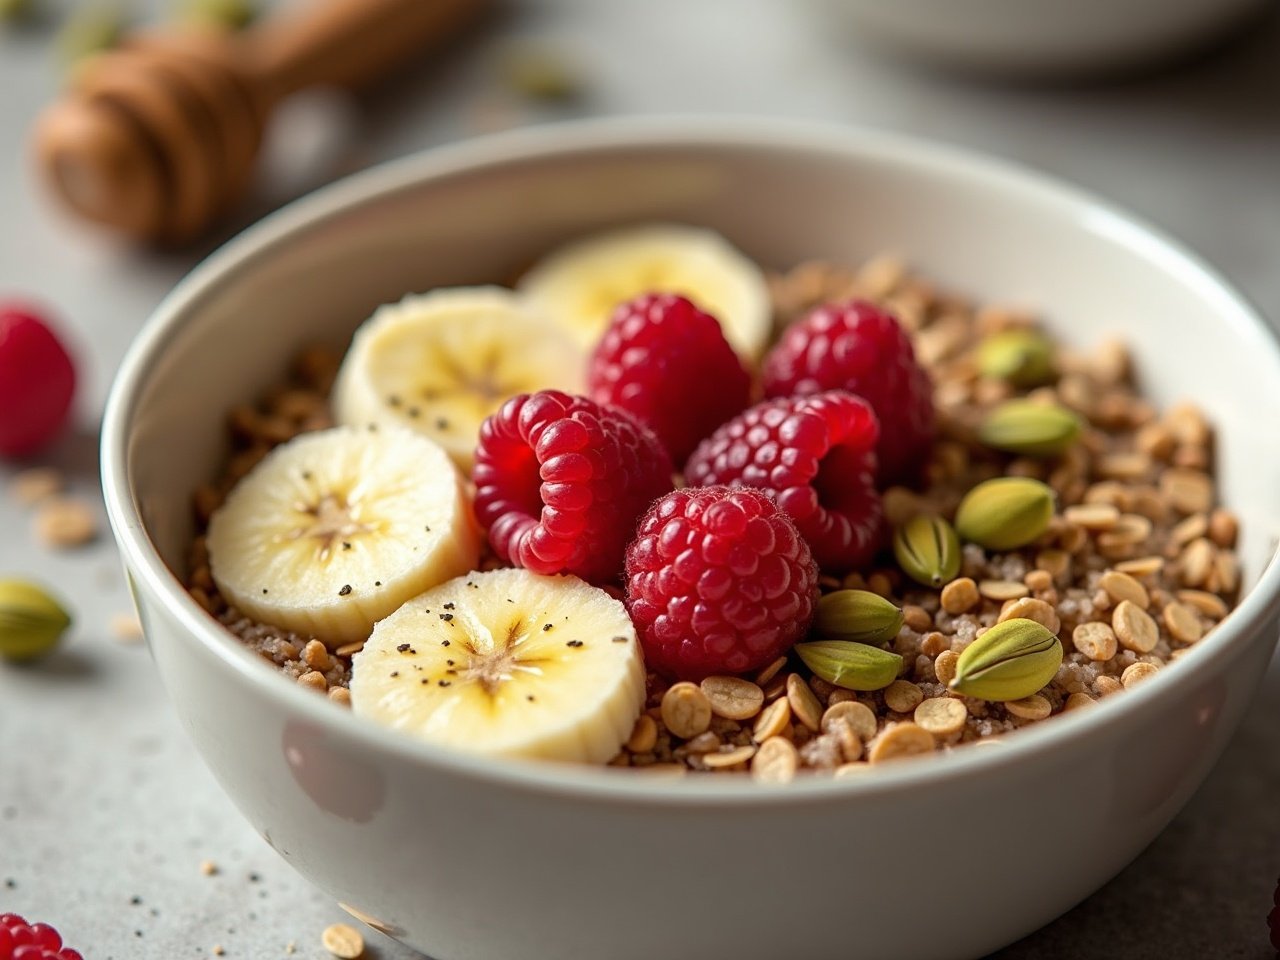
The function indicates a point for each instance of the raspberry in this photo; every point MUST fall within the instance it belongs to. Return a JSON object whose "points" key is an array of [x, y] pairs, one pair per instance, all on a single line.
{"points": [[1273, 919], [815, 456], [668, 363], [20, 940], [37, 382], [718, 581], [860, 348], [561, 480]]}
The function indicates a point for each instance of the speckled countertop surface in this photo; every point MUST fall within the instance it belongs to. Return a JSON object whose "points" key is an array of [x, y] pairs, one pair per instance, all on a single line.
{"points": [[106, 813]]}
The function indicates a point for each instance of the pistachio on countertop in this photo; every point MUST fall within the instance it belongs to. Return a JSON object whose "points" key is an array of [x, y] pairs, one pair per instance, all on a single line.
{"points": [[31, 621]]}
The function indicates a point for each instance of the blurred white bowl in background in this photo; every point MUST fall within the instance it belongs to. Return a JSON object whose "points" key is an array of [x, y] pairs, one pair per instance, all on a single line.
{"points": [[1043, 37]]}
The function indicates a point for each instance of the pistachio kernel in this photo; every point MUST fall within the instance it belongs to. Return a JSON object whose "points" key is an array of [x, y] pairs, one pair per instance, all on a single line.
{"points": [[1005, 513], [15, 10], [928, 550], [219, 14], [853, 666], [1030, 428], [857, 615], [89, 30], [540, 74], [1023, 358], [31, 621], [1010, 661]]}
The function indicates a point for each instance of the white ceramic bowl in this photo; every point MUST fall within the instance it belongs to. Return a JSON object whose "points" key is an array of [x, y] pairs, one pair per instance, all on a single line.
{"points": [[1047, 38], [469, 859]]}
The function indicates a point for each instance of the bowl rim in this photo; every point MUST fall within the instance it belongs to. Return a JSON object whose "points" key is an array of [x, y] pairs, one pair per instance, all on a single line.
{"points": [[575, 138]]}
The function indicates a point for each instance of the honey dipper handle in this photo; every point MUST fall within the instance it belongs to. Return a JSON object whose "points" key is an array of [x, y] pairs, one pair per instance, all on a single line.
{"points": [[349, 43]]}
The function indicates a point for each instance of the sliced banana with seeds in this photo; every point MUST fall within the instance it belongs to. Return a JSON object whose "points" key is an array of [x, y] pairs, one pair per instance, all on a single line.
{"points": [[440, 362], [506, 663], [579, 285], [335, 529]]}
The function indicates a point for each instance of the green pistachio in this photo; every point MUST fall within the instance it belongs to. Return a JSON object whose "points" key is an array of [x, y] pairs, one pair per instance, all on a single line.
{"points": [[927, 549], [90, 30], [858, 615], [1024, 358], [540, 74], [1010, 661], [1030, 428], [1005, 513], [854, 666], [31, 622], [15, 10], [223, 14]]}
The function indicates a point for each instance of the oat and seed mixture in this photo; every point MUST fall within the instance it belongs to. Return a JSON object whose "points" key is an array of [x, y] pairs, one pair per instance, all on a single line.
{"points": [[1137, 565]]}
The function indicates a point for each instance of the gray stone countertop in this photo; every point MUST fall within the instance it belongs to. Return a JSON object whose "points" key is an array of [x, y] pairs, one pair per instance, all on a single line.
{"points": [[105, 811]]}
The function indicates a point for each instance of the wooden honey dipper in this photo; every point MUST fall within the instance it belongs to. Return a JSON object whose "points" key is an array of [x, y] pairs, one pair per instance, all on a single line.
{"points": [[159, 137]]}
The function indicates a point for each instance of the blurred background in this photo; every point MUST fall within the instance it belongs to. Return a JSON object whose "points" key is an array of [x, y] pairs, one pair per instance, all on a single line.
{"points": [[1169, 109]]}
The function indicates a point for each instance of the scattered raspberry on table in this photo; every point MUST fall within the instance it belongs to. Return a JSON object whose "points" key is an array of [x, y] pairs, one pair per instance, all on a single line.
{"points": [[1273, 919], [20, 940], [718, 581], [668, 363], [815, 457], [37, 382], [862, 349], [561, 480]]}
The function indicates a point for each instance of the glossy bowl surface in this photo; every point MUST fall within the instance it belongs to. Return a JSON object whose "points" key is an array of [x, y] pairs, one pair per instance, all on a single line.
{"points": [[466, 859]]}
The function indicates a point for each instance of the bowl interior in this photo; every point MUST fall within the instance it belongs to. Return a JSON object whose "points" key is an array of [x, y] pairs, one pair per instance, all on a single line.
{"points": [[480, 212]]}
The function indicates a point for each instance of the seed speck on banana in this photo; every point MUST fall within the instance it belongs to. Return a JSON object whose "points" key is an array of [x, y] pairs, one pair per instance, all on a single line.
{"points": [[439, 363], [335, 529]]}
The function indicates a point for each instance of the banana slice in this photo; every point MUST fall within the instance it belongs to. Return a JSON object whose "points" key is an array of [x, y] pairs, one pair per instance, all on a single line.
{"points": [[335, 529], [506, 663], [579, 285], [440, 362]]}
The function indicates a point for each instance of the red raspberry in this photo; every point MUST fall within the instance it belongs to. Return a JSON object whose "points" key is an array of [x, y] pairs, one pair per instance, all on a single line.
{"points": [[718, 581], [668, 363], [37, 382], [561, 480], [860, 348], [1273, 919], [20, 940], [815, 456]]}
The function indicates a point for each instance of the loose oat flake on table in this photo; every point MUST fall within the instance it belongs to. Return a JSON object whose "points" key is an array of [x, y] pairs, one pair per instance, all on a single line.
{"points": [[1060, 540]]}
